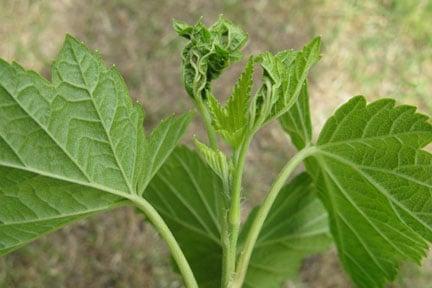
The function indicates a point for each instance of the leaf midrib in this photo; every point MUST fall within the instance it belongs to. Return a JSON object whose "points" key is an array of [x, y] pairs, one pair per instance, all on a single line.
{"points": [[41, 219], [287, 221], [186, 204], [73, 181], [376, 185], [200, 193], [107, 134], [379, 137], [298, 87], [296, 236], [362, 213]]}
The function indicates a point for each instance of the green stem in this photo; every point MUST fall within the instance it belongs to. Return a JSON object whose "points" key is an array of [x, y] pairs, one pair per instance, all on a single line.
{"points": [[262, 213], [211, 133], [166, 234], [225, 236], [225, 254], [235, 212]]}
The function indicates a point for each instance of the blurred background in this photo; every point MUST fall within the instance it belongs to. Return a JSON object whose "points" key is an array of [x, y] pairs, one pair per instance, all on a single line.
{"points": [[375, 48]]}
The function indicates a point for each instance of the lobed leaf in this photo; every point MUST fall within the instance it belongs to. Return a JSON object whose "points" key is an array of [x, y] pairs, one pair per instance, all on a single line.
{"points": [[376, 183], [160, 144], [71, 147]]}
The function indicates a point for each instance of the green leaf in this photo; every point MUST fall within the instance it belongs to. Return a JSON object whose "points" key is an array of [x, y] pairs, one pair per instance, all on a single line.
{"points": [[376, 183], [216, 160], [190, 198], [297, 121], [33, 205], [283, 80], [232, 120], [159, 145], [208, 52], [296, 227], [72, 147]]}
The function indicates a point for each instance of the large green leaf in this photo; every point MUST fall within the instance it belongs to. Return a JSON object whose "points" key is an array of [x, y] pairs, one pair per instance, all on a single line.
{"points": [[376, 183], [33, 205], [189, 196], [296, 227], [71, 147]]}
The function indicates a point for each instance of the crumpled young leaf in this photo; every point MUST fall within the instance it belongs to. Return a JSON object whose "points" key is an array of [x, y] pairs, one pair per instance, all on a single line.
{"points": [[71, 147], [208, 52]]}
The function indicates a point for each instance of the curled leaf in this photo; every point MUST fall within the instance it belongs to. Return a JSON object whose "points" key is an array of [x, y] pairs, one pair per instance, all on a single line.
{"points": [[208, 52]]}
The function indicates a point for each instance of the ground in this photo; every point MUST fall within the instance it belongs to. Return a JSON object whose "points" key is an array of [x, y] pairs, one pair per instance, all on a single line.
{"points": [[375, 48]]}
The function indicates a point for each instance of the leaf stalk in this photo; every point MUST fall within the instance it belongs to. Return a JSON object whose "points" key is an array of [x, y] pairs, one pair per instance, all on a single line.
{"points": [[205, 115], [263, 212], [234, 213], [165, 232]]}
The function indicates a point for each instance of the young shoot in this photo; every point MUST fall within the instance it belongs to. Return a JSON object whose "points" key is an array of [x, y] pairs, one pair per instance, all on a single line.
{"points": [[74, 146]]}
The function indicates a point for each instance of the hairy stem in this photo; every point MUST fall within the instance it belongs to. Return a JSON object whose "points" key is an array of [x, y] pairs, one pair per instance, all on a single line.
{"points": [[234, 211], [167, 235], [211, 133], [226, 275], [262, 213], [225, 238]]}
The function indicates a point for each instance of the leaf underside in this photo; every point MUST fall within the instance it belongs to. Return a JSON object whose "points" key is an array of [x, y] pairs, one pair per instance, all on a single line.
{"points": [[287, 72], [296, 227], [376, 183], [71, 147], [297, 121]]}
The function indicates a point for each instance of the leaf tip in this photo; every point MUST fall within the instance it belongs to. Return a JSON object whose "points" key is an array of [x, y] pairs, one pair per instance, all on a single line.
{"points": [[358, 98], [69, 39]]}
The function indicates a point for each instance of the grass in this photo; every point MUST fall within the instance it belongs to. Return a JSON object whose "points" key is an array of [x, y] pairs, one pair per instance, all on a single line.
{"points": [[376, 48]]}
